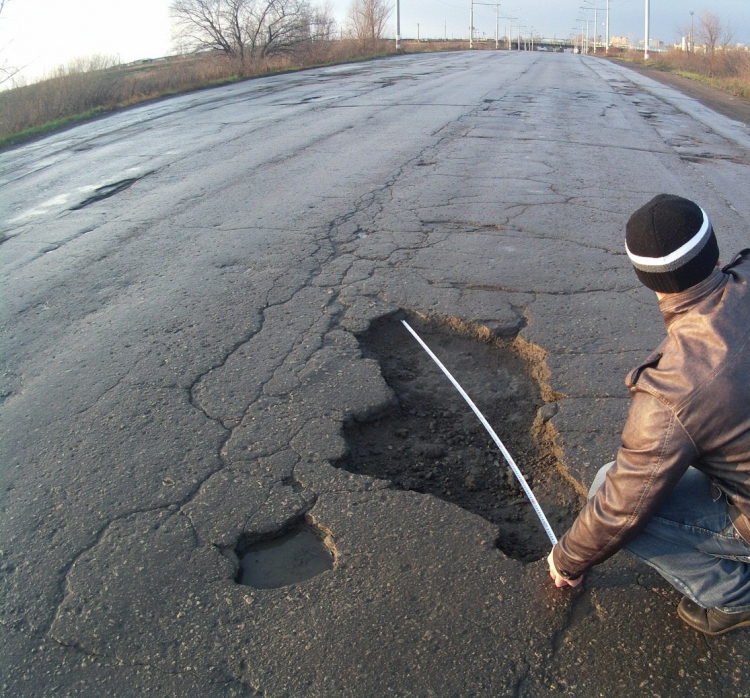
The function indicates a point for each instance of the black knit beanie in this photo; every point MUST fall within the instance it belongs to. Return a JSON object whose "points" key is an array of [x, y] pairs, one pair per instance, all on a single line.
{"points": [[671, 244]]}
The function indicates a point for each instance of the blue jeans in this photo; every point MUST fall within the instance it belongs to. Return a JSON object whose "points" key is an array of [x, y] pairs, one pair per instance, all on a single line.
{"points": [[692, 543]]}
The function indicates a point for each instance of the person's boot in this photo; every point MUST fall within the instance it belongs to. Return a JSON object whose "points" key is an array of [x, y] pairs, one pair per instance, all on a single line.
{"points": [[711, 621]]}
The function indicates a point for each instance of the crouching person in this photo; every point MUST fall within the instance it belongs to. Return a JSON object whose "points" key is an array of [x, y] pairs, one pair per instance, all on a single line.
{"points": [[678, 495]]}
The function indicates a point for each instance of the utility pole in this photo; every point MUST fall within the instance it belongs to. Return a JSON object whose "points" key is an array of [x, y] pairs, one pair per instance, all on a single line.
{"points": [[586, 43], [398, 25], [596, 25], [645, 43], [596, 29], [587, 37], [606, 48], [471, 25], [509, 29], [417, 32], [497, 20], [497, 17]]}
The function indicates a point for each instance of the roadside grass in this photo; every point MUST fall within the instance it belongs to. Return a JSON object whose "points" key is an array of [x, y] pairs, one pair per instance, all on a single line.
{"points": [[56, 125], [727, 70]]}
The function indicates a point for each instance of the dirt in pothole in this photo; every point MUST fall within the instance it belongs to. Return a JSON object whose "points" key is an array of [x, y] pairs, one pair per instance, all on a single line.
{"points": [[432, 442]]}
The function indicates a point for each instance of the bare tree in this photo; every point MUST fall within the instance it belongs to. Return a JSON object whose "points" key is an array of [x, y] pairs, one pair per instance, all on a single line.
{"points": [[712, 33], [7, 71], [243, 29], [323, 26], [369, 19]]}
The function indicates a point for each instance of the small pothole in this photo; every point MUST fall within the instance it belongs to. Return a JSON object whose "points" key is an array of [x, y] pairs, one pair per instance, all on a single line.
{"points": [[430, 441], [296, 555]]}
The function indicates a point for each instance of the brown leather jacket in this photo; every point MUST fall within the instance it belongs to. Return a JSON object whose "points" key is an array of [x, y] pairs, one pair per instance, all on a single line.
{"points": [[690, 405]]}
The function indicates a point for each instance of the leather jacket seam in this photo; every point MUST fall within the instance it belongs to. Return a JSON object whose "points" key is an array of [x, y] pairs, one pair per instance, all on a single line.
{"points": [[614, 540], [687, 434]]}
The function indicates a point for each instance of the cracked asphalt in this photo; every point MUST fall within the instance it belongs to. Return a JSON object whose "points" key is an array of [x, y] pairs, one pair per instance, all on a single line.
{"points": [[183, 287]]}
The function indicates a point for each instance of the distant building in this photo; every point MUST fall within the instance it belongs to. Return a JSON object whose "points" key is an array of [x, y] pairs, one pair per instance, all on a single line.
{"points": [[622, 42]]}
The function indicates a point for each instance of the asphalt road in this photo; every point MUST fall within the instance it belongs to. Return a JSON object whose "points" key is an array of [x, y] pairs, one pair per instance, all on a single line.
{"points": [[184, 285], [736, 108]]}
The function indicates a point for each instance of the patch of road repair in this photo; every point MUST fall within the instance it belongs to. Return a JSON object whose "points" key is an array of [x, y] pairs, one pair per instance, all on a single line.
{"points": [[430, 441]]}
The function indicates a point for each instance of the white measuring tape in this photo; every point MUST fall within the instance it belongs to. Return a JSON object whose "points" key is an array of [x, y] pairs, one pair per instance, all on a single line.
{"points": [[519, 476]]}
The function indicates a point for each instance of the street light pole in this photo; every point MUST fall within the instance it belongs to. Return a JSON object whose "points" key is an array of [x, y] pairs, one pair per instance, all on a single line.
{"points": [[645, 47]]}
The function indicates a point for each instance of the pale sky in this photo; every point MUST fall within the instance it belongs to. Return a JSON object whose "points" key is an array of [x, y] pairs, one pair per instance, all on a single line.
{"points": [[42, 34]]}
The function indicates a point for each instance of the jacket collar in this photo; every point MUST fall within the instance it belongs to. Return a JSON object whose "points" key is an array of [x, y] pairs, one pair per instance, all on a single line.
{"points": [[674, 304]]}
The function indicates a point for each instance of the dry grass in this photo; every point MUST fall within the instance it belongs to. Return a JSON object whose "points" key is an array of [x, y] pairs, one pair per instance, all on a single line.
{"points": [[728, 70]]}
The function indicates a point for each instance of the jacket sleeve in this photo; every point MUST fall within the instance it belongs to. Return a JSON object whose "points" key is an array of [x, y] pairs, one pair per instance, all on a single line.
{"points": [[655, 453]]}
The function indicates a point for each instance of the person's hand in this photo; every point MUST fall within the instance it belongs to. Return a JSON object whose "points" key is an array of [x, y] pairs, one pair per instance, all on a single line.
{"points": [[561, 581]]}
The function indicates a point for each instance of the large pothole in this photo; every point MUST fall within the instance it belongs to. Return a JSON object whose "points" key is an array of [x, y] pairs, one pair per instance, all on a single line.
{"points": [[430, 441]]}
